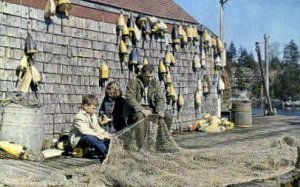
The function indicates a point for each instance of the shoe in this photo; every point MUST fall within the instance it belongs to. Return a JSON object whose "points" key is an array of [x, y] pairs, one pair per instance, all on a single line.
{"points": [[102, 157]]}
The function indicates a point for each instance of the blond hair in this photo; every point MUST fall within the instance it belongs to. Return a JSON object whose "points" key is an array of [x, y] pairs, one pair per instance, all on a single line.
{"points": [[113, 88]]}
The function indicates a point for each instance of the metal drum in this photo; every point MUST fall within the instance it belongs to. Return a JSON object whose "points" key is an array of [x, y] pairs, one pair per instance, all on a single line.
{"points": [[22, 125], [241, 113]]}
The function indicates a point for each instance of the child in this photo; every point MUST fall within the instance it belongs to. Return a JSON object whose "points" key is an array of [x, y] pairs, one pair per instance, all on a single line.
{"points": [[112, 107], [86, 131]]}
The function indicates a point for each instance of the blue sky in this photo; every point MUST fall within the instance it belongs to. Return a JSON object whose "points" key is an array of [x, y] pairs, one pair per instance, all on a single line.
{"points": [[246, 21]]}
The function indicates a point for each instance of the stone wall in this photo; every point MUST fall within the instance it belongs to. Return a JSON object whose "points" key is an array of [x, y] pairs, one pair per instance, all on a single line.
{"points": [[68, 59]]}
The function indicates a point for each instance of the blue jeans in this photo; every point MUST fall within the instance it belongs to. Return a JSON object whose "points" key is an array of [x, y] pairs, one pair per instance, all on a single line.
{"points": [[92, 141]]}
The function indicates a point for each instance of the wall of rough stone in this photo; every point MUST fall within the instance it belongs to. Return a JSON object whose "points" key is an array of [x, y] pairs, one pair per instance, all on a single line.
{"points": [[67, 58]]}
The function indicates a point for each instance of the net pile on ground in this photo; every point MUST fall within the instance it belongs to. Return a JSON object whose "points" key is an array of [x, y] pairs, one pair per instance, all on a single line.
{"points": [[134, 163]]}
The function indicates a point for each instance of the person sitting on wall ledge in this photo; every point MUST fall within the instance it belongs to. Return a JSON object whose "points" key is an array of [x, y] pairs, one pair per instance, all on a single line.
{"points": [[86, 131]]}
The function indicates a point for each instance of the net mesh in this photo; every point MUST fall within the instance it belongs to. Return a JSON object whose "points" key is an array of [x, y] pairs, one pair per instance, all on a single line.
{"points": [[146, 155], [147, 135]]}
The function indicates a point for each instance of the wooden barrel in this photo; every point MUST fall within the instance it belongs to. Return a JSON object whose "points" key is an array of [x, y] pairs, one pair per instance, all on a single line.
{"points": [[241, 113], [23, 125]]}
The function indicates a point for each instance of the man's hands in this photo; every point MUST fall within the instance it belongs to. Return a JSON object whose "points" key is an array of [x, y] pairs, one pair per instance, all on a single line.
{"points": [[146, 113], [161, 114]]}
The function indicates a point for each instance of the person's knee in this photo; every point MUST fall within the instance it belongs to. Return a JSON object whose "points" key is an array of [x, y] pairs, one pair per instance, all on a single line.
{"points": [[88, 139]]}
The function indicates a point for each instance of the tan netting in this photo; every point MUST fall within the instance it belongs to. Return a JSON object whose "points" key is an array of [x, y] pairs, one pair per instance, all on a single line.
{"points": [[147, 135], [134, 161]]}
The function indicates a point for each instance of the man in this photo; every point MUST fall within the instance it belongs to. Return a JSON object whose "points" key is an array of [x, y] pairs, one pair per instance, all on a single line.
{"points": [[86, 131], [144, 97]]}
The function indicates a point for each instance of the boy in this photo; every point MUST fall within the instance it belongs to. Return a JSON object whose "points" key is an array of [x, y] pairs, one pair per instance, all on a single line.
{"points": [[86, 131]]}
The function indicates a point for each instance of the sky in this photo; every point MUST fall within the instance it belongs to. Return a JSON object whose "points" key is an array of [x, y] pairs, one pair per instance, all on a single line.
{"points": [[246, 21]]}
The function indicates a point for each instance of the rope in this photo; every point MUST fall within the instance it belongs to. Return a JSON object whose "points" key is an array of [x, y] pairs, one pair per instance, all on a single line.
{"points": [[153, 117], [21, 100]]}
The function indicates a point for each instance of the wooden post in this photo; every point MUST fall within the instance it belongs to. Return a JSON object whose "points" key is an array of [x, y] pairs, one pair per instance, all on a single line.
{"points": [[262, 99], [269, 104], [266, 63]]}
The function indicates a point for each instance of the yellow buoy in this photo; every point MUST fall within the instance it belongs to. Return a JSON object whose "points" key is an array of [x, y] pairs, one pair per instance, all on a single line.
{"points": [[171, 93], [172, 59], [137, 33], [205, 87], [221, 85], [168, 57], [103, 71], [121, 21], [180, 32], [168, 78], [213, 42], [195, 33], [125, 31], [64, 6], [203, 58], [36, 76], [123, 48], [189, 32], [196, 62], [77, 152], [162, 70], [197, 98], [13, 149], [49, 8], [180, 101], [199, 85], [204, 36], [145, 61]]}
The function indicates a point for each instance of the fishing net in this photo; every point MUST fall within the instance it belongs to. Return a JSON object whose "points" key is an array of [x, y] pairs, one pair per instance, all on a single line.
{"points": [[136, 159], [21, 100], [145, 154], [218, 166], [146, 135]]}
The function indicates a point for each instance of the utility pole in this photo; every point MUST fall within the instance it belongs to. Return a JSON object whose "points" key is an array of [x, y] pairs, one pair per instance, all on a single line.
{"points": [[222, 2], [219, 99]]}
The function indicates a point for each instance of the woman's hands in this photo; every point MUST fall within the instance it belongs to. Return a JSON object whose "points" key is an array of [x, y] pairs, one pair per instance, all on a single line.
{"points": [[104, 120]]}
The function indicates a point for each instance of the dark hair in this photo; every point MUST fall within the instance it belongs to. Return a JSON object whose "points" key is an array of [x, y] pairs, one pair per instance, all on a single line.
{"points": [[147, 68], [114, 88], [90, 99]]}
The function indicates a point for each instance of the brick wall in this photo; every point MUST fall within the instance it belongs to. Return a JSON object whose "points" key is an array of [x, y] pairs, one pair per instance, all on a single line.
{"points": [[67, 58]]}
